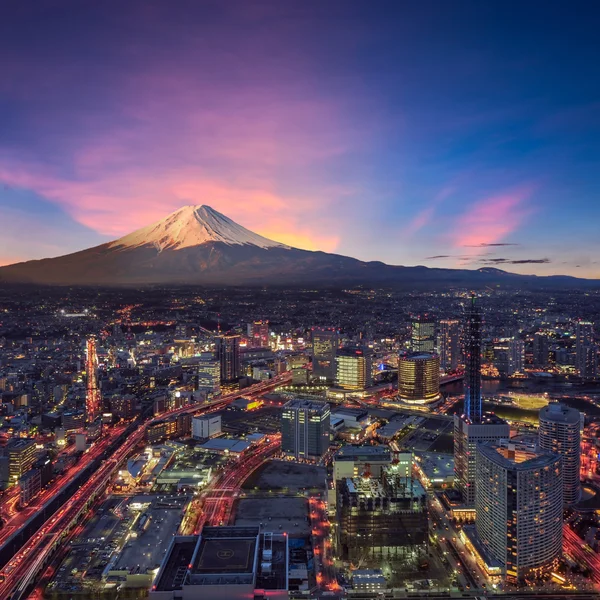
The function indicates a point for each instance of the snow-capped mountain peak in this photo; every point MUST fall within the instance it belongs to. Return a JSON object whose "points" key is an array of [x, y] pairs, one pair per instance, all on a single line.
{"points": [[192, 226]]}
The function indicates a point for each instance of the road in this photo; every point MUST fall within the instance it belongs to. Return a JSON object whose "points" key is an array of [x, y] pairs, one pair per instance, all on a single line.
{"points": [[218, 499], [24, 567]]}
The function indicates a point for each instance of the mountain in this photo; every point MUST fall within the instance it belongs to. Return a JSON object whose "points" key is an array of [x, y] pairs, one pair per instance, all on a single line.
{"points": [[199, 246]]}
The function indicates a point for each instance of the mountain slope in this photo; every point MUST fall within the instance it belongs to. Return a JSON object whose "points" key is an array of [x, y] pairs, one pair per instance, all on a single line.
{"points": [[199, 246]]}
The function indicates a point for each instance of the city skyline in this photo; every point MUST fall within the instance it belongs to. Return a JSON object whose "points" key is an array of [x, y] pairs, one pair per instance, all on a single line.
{"points": [[414, 134]]}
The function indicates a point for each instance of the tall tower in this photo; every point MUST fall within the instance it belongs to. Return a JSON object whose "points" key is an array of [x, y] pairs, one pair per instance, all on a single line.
{"points": [[449, 344], [325, 342], [519, 508], [473, 409], [560, 432], [93, 398], [423, 334], [228, 353], [586, 352]]}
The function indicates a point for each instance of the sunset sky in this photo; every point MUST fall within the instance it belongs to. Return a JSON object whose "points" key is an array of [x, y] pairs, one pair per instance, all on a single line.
{"points": [[442, 133]]}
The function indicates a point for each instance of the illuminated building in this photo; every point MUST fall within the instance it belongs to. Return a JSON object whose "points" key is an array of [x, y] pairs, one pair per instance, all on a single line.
{"points": [[209, 375], [228, 354], [423, 335], [516, 357], [467, 437], [418, 378], [354, 368], [541, 350], [519, 506], [473, 362], [93, 403], [305, 429], [586, 359], [206, 426], [560, 432], [351, 461], [18, 455], [259, 334], [384, 516], [325, 342], [449, 344], [30, 485]]}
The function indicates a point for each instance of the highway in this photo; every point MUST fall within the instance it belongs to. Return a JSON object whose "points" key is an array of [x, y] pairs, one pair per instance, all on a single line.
{"points": [[27, 563]]}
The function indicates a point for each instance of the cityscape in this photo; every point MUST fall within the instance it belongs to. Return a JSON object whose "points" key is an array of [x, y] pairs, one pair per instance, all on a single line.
{"points": [[361, 443], [299, 300]]}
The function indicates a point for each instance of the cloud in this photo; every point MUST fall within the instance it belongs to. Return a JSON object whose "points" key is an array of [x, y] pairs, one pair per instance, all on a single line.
{"points": [[509, 261], [437, 257], [497, 245], [487, 221], [425, 216]]}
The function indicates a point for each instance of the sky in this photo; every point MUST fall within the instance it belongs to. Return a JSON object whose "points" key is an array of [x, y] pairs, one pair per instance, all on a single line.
{"points": [[446, 134]]}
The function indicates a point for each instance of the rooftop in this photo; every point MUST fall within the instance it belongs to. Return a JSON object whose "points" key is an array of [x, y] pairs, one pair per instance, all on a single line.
{"points": [[559, 413]]}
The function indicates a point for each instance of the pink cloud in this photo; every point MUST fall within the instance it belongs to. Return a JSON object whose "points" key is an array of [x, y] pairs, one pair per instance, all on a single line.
{"points": [[491, 220], [425, 216]]}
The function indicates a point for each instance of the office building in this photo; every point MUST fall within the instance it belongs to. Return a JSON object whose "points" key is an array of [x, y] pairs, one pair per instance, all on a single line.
{"points": [[208, 375], [30, 485], [228, 355], [472, 353], [381, 517], [206, 426], [541, 350], [20, 454], [423, 334], [305, 429], [467, 437], [258, 332], [516, 357], [560, 432], [354, 368], [519, 506], [418, 378], [449, 344], [586, 353], [352, 461], [325, 342]]}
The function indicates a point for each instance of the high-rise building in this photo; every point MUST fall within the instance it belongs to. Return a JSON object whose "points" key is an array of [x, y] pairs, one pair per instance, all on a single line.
{"points": [[305, 429], [472, 353], [354, 368], [560, 432], [259, 334], [325, 342], [516, 357], [419, 377], [209, 375], [467, 437], [449, 344], [228, 354], [20, 454], [541, 350], [423, 334], [383, 516], [588, 367], [586, 359], [519, 506]]}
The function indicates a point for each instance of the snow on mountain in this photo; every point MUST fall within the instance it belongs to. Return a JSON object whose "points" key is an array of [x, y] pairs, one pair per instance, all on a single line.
{"points": [[191, 226]]}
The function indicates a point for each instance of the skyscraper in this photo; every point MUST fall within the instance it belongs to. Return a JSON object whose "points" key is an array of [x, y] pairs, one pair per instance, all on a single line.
{"points": [[259, 334], [472, 409], [516, 356], [449, 344], [305, 429], [585, 351], [423, 334], [541, 350], [560, 432], [209, 375], [325, 342], [519, 506], [471, 428], [467, 437], [354, 368], [228, 354], [419, 377]]}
